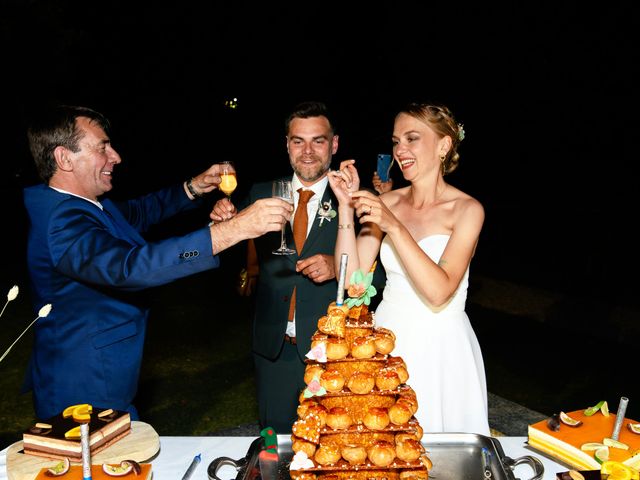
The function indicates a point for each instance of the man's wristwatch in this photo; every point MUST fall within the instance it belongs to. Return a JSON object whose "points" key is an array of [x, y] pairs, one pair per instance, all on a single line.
{"points": [[192, 190]]}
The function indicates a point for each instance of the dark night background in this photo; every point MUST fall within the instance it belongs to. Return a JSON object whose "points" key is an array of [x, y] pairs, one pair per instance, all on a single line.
{"points": [[547, 94]]}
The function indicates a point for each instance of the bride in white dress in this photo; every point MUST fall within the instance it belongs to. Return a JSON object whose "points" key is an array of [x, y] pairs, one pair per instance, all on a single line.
{"points": [[426, 234]]}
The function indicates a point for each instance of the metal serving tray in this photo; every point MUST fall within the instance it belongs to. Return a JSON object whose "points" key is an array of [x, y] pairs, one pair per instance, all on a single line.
{"points": [[455, 456]]}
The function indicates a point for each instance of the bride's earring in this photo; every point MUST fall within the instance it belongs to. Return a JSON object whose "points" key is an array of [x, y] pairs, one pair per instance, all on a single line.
{"points": [[443, 157]]}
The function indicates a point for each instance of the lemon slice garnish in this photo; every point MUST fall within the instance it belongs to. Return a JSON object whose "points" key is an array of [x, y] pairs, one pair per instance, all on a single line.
{"points": [[591, 446], [610, 442], [601, 455], [634, 427]]}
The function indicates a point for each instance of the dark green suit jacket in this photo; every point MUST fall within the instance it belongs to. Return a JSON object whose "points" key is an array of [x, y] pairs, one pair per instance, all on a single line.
{"points": [[278, 276]]}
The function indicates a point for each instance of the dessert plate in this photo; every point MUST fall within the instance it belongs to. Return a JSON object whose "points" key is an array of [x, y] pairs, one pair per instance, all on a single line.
{"points": [[140, 445]]}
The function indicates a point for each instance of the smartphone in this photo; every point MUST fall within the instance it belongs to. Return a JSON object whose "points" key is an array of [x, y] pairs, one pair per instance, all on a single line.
{"points": [[384, 165]]}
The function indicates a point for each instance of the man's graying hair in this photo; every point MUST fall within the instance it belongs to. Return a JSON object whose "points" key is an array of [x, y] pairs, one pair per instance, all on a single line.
{"points": [[57, 127]]}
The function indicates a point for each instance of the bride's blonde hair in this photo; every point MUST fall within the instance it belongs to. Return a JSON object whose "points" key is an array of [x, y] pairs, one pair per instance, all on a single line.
{"points": [[440, 119]]}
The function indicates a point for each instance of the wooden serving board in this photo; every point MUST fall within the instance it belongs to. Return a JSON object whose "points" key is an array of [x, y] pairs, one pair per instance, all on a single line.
{"points": [[140, 445]]}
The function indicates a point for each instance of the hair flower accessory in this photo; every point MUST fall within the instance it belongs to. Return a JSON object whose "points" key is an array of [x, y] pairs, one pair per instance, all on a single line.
{"points": [[360, 289], [460, 132], [325, 212]]}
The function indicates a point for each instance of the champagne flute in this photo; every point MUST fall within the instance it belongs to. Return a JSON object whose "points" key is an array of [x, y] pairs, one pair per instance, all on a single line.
{"points": [[282, 189], [228, 181]]}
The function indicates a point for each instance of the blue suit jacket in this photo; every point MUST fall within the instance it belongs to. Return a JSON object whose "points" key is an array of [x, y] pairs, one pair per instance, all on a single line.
{"points": [[90, 265]]}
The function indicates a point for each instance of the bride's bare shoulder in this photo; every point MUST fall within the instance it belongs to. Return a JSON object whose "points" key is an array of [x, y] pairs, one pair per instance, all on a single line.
{"points": [[465, 203], [463, 197], [394, 196]]}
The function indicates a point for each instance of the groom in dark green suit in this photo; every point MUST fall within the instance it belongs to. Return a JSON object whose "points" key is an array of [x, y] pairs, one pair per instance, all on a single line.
{"points": [[281, 331]]}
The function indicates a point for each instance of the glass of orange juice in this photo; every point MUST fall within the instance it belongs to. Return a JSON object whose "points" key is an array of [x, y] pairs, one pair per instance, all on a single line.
{"points": [[228, 175]]}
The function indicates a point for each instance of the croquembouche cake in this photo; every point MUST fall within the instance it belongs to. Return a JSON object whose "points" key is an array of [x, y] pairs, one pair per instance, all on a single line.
{"points": [[356, 415]]}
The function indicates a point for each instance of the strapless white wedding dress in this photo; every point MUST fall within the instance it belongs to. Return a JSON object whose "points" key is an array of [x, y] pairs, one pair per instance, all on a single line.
{"points": [[440, 348]]}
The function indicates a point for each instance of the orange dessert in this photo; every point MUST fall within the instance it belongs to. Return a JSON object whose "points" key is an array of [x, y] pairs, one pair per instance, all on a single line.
{"points": [[97, 473], [587, 445]]}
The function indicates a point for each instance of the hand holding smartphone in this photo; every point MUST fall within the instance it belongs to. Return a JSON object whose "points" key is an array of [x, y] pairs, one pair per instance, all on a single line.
{"points": [[383, 167]]}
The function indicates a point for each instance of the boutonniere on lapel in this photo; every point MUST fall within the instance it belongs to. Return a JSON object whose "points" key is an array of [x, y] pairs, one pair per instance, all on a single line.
{"points": [[325, 212]]}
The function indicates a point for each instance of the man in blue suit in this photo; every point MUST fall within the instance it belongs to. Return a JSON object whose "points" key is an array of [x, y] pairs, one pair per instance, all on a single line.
{"points": [[89, 260]]}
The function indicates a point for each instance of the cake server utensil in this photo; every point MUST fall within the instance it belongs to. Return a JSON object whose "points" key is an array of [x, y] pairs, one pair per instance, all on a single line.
{"points": [[268, 457], [268, 461]]}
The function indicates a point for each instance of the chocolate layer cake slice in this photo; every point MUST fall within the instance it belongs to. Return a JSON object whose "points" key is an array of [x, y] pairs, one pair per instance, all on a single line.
{"points": [[47, 439]]}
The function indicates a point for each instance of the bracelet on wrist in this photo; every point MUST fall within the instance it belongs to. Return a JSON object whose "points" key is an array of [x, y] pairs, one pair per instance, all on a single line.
{"points": [[345, 225], [192, 190]]}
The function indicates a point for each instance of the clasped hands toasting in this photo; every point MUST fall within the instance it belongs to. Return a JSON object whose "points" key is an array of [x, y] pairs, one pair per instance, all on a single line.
{"points": [[263, 216], [345, 184]]}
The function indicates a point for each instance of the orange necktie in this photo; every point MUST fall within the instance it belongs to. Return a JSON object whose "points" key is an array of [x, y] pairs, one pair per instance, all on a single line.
{"points": [[300, 223]]}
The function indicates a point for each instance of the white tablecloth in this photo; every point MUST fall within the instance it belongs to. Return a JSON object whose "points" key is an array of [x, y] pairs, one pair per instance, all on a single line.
{"points": [[176, 454]]}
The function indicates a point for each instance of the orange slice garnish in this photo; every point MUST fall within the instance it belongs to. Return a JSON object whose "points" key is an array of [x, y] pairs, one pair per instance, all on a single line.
{"points": [[73, 434], [82, 413], [69, 410]]}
